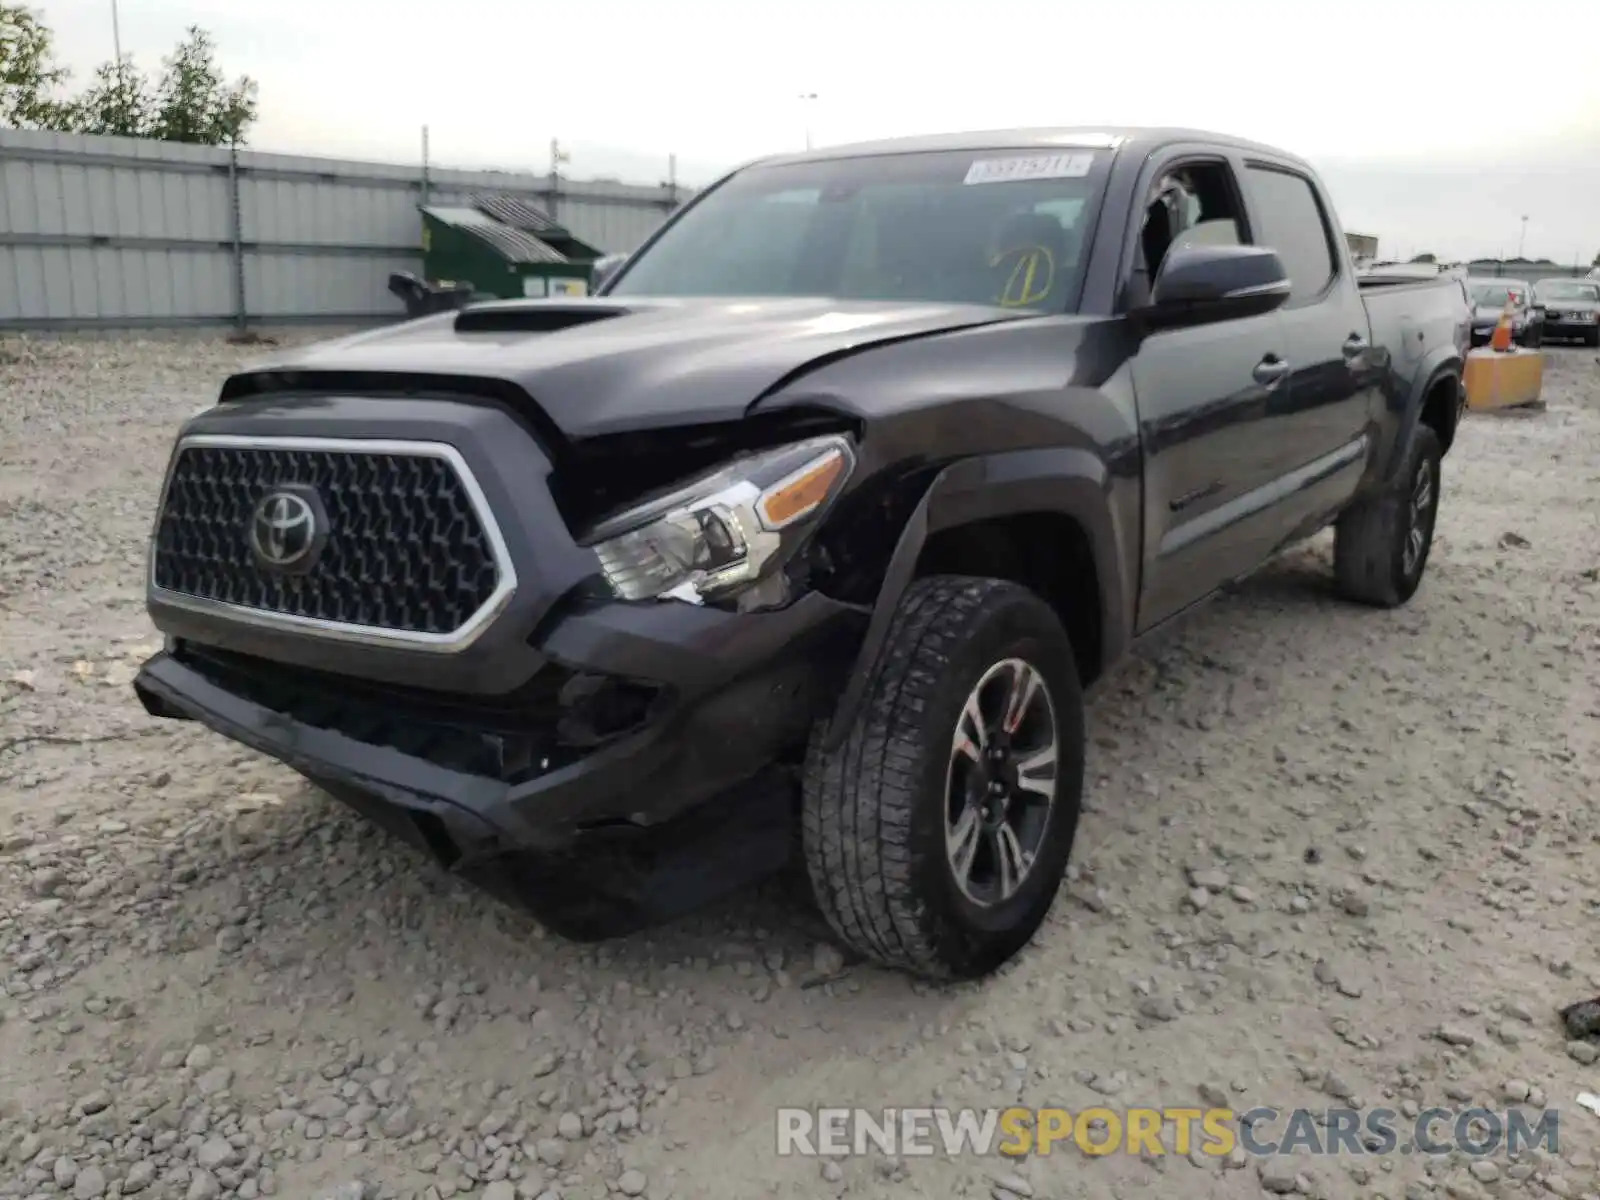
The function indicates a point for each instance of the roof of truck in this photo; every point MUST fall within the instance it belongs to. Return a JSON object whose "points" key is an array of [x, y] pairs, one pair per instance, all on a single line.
{"points": [[1068, 137]]}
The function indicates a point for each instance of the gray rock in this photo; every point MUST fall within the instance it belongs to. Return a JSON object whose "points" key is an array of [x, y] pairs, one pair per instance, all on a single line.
{"points": [[398, 1122], [632, 1183], [214, 1082], [1278, 1176], [1209, 878], [552, 1151], [90, 1185], [140, 1176], [826, 960], [94, 1102], [216, 1152], [1158, 1008], [1013, 1183], [327, 1108], [1584, 1053], [203, 1186]]}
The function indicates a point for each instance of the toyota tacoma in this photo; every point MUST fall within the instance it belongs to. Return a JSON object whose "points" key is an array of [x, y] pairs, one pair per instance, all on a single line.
{"points": [[802, 539]]}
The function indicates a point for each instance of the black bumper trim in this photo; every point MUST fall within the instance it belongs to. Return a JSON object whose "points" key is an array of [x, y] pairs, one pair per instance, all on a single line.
{"points": [[750, 686]]}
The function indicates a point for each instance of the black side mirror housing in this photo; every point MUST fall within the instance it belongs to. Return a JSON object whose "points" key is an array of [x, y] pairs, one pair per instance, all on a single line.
{"points": [[1201, 284]]}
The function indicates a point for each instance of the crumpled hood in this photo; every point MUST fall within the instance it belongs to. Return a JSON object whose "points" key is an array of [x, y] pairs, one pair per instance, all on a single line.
{"points": [[602, 365]]}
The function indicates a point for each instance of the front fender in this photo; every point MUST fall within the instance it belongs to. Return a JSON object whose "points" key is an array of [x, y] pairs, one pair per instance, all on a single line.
{"points": [[1061, 481]]}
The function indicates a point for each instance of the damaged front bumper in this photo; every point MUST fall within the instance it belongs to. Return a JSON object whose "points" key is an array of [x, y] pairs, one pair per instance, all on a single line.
{"points": [[643, 713]]}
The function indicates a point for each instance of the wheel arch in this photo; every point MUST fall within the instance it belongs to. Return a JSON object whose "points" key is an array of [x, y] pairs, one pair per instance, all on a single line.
{"points": [[986, 515], [1436, 400]]}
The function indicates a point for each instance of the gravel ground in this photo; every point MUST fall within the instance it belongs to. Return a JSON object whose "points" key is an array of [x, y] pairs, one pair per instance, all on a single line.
{"points": [[1328, 852]]}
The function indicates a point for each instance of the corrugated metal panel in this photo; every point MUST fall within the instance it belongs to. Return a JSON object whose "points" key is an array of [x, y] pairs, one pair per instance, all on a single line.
{"points": [[101, 230], [511, 244], [516, 212]]}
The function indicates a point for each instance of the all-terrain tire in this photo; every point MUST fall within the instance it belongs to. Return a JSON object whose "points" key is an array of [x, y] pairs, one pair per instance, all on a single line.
{"points": [[1369, 555], [874, 810]]}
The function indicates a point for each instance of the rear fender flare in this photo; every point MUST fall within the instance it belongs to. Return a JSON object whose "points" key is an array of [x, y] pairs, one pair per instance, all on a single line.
{"points": [[1443, 363], [1063, 481]]}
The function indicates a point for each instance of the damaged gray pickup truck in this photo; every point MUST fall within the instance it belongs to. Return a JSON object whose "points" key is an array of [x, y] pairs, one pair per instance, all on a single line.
{"points": [[802, 539]]}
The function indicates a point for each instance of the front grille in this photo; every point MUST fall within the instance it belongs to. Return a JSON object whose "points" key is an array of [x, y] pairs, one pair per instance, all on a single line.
{"points": [[407, 550]]}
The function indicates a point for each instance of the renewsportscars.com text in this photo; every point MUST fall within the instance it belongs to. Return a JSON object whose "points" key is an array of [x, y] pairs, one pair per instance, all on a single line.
{"points": [[1218, 1132]]}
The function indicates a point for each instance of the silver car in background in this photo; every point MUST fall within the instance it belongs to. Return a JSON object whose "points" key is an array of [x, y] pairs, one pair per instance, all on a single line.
{"points": [[1571, 308]]}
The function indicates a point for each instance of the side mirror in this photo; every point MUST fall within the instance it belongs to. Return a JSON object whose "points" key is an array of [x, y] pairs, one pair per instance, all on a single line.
{"points": [[1201, 284], [604, 268]]}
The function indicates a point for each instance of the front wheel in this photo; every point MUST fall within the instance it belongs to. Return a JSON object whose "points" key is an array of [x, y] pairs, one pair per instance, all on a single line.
{"points": [[1381, 545], [1591, 338], [937, 833]]}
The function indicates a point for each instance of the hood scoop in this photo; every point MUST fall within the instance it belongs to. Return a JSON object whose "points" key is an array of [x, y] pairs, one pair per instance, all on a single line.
{"points": [[534, 316]]}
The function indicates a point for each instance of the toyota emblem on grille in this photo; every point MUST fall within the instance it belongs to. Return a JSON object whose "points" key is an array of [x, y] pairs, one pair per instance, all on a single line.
{"points": [[287, 528]]}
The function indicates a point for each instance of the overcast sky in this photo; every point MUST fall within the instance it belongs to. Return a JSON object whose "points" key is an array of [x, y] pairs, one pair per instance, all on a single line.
{"points": [[1439, 124]]}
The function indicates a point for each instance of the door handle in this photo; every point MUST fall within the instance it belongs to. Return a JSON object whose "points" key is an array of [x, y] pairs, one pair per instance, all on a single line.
{"points": [[1270, 371]]}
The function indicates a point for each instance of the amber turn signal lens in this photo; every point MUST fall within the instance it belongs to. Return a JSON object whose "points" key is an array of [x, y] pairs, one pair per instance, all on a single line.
{"points": [[788, 500]]}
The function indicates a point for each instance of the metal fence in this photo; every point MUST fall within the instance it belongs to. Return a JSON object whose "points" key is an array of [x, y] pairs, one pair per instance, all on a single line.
{"points": [[1525, 270], [125, 233]]}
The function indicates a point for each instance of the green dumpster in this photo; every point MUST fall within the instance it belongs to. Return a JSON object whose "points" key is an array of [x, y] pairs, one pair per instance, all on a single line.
{"points": [[505, 248]]}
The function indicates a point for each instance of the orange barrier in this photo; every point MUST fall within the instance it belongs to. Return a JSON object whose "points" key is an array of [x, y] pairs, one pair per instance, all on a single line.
{"points": [[1503, 380]]}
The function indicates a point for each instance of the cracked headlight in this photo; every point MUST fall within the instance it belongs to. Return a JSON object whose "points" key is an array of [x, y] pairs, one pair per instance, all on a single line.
{"points": [[726, 531]]}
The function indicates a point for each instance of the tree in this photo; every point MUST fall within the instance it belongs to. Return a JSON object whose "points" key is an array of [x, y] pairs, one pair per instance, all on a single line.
{"points": [[119, 102], [1596, 262], [196, 103], [1425, 258], [29, 76], [191, 102]]}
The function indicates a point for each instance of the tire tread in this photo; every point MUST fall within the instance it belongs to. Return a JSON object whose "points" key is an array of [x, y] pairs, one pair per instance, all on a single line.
{"points": [[859, 800]]}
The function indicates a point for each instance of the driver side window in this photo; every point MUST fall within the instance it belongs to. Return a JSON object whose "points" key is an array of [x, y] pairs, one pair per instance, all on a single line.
{"points": [[1191, 204]]}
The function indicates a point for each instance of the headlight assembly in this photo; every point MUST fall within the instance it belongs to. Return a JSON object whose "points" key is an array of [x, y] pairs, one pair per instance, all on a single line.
{"points": [[728, 531]]}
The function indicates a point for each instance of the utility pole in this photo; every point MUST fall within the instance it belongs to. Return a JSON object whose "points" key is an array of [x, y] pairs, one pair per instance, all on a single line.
{"points": [[807, 99], [116, 35], [557, 157], [1522, 241], [425, 164]]}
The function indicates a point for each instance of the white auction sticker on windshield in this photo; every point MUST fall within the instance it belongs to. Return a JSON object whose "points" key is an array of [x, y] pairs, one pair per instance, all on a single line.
{"points": [[1032, 166]]}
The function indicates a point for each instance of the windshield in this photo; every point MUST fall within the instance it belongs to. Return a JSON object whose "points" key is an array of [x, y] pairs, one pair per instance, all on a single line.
{"points": [[1563, 289], [1497, 294], [970, 227]]}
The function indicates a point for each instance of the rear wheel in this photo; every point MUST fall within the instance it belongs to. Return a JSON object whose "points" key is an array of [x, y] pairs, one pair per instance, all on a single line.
{"points": [[937, 833], [1381, 545]]}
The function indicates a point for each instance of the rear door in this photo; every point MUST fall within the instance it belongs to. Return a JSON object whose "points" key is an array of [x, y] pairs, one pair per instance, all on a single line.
{"points": [[1328, 403], [1323, 417]]}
